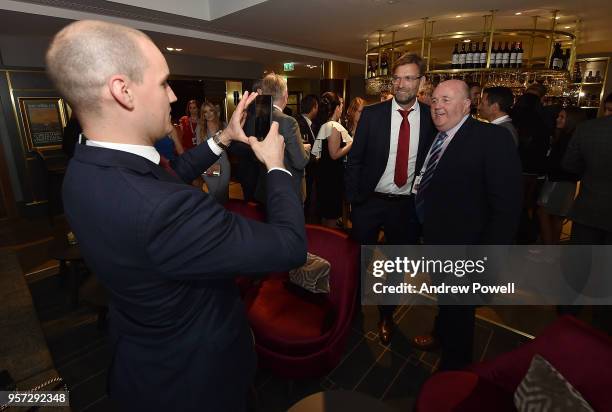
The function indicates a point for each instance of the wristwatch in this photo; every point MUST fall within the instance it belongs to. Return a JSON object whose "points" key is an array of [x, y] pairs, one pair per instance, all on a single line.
{"points": [[217, 139]]}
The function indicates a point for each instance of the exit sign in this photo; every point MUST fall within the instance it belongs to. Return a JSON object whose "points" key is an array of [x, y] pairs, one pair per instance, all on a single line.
{"points": [[288, 67]]}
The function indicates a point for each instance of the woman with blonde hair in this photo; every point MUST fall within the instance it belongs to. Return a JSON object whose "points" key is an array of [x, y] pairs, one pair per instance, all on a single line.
{"points": [[217, 176], [353, 113]]}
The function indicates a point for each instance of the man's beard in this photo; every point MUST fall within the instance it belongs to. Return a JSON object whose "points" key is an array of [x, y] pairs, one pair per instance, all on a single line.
{"points": [[404, 100]]}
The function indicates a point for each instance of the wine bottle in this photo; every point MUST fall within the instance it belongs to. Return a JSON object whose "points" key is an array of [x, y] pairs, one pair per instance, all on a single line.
{"points": [[589, 78], [483, 54], [499, 58], [577, 73], [469, 57], [383, 65], [566, 59], [556, 60], [513, 55], [506, 56], [519, 55], [597, 78], [455, 58], [462, 57]]}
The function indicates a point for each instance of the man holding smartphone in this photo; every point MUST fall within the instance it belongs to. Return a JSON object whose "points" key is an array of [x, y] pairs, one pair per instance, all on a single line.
{"points": [[167, 252], [296, 152]]}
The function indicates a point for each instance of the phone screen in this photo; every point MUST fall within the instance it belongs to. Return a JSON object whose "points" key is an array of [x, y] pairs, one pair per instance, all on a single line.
{"points": [[263, 116]]}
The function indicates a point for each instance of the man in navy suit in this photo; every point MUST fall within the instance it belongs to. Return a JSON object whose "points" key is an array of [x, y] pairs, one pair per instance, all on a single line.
{"points": [[390, 144], [467, 193], [166, 251]]}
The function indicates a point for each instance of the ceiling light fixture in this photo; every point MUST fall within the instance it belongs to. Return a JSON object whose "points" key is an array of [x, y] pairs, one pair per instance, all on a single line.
{"points": [[557, 18], [458, 16], [179, 50], [405, 25], [567, 27], [311, 66], [518, 13], [170, 48], [467, 40]]}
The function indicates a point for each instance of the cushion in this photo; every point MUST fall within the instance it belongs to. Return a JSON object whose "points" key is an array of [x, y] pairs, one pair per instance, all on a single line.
{"points": [[287, 318], [545, 389], [313, 276]]}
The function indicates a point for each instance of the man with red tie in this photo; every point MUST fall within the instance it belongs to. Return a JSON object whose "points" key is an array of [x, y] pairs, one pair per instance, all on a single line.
{"points": [[390, 144]]}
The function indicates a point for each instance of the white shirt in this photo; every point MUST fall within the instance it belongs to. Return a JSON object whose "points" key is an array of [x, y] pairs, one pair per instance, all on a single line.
{"points": [[449, 136], [386, 183], [500, 119], [324, 132]]}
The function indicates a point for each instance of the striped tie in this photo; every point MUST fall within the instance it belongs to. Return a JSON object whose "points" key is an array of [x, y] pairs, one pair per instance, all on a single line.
{"points": [[434, 156]]}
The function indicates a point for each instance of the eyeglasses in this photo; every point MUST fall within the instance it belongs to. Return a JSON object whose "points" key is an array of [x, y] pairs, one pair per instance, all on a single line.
{"points": [[396, 79]]}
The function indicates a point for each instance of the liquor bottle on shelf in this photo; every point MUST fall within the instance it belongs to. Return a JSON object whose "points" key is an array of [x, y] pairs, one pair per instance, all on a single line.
{"points": [[370, 69], [577, 73], [519, 55], [499, 57], [513, 55], [462, 57], [384, 66], [506, 56], [566, 59], [589, 78], [375, 69], [556, 60], [455, 58], [597, 78], [483, 54], [469, 57]]}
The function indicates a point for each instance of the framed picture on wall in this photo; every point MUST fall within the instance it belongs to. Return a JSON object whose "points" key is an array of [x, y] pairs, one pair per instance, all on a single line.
{"points": [[43, 119]]}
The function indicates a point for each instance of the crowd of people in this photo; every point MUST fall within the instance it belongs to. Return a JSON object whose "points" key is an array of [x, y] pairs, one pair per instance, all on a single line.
{"points": [[417, 172]]}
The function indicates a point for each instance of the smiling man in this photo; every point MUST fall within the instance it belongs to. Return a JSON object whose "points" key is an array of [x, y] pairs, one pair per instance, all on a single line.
{"points": [[166, 251], [390, 144], [467, 193]]}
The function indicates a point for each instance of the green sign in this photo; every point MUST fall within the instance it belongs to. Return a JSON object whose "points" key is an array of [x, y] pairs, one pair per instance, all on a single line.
{"points": [[288, 67]]}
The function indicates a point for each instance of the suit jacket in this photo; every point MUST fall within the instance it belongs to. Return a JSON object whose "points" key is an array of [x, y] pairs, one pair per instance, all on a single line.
{"points": [[368, 157], [589, 154], [296, 157], [475, 193], [305, 130], [507, 124], [168, 254]]}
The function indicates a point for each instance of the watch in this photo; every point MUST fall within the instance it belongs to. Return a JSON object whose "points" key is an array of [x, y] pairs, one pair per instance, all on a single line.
{"points": [[217, 139]]}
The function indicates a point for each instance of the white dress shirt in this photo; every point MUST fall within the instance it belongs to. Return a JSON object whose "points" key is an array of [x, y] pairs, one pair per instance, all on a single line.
{"points": [[386, 183], [500, 119]]}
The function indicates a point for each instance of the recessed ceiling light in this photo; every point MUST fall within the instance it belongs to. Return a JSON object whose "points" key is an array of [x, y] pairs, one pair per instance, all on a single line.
{"points": [[518, 13], [557, 18], [567, 27], [467, 40], [458, 16], [178, 49], [408, 42], [405, 25], [311, 66], [170, 48]]}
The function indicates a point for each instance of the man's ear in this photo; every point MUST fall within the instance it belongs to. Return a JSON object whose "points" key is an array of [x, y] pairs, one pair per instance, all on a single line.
{"points": [[118, 86]]}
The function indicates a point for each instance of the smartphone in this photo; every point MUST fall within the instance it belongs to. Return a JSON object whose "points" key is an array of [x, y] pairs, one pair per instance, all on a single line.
{"points": [[263, 115]]}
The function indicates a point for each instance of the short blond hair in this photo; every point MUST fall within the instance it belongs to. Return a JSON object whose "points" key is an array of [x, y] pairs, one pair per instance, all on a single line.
{"points": [[274, 85], [85, 54]]}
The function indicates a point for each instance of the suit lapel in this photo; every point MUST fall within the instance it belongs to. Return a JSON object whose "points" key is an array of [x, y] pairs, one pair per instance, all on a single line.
{"points": [[384, 134], [426, 135]]}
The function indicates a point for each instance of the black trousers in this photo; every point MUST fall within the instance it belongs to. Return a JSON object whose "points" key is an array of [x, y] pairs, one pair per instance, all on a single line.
{"points": [[396, 216]]}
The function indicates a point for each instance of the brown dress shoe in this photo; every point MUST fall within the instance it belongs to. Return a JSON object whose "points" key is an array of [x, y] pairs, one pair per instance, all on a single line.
{"points": [[385, 330], [425, 342]]}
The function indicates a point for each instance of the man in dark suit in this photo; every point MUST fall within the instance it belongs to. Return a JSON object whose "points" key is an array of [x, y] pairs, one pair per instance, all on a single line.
{"points": [[166, 251], [495, 105], [467, 193], [309, 106], [390, 144], [296, 151], [589, 154]]}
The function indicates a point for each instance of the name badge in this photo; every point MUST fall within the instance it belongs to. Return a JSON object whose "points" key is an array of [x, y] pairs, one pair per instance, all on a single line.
{"points": [[416, 184]]}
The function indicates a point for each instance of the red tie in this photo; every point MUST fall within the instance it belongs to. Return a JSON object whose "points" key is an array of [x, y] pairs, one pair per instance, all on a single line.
{"points": [[403, 146]]}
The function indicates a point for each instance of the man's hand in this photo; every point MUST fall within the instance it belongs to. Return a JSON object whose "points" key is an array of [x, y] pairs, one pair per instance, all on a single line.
{"points": [[307, 147], [271, 150], [234, 131]]}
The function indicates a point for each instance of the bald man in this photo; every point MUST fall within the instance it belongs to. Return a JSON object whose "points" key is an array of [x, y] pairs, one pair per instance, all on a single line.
{"points": [[166, 251], [467, 193]]}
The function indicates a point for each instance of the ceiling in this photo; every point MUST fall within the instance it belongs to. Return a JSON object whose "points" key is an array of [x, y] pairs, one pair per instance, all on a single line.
{"points": [[306, 32]]}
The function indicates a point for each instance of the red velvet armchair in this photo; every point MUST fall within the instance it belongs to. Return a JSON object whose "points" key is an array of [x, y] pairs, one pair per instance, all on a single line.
{"points": [[579, 352], [299, 334]]}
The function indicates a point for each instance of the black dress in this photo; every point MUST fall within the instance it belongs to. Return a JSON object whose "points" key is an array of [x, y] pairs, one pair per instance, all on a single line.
{"points": [[330, 184]]}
